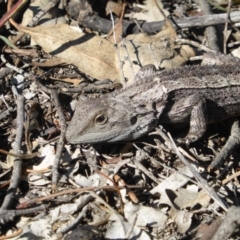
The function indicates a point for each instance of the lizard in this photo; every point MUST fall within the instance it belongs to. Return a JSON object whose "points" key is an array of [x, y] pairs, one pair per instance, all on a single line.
{"points": [[198, 95]]}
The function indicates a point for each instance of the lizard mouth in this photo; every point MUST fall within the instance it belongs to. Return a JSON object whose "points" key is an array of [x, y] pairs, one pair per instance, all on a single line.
{"points": [[92, 138]]}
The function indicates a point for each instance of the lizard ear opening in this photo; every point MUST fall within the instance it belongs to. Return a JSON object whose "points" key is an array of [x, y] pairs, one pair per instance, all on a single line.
{"points": [[133, 120]]}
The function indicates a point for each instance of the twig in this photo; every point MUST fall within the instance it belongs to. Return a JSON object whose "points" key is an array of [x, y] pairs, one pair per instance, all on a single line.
{"points": [[228, 179], [165, 166], [61, 141], [71, 191], [117, 49], [132, 225], [100, 24], [217, 6], [14, 68], [17, 167], [22, 156], [144, 170], [225, 32], [75, 222], [12, 11], [203, 183], [210, 31], [14, 234], [9, 215], [99, 199], [232, 142]]}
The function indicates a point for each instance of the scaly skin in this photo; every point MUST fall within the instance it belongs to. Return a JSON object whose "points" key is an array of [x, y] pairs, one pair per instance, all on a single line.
{"points": [[198, 95]]}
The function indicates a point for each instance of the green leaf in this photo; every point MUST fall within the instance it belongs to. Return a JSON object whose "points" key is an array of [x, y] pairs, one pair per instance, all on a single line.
{"points": [[8, 42]]}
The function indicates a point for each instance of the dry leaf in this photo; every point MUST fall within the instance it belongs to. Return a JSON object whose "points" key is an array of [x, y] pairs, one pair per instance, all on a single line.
{"points": [[79, 9], [150, 12], [114, 8], [189, 199], [33, 9], [96, 56], [92, 54], [146, 216], [172, 183], [160, 49], [116, 35], [119, 227], [236, 52], [183, 220]]}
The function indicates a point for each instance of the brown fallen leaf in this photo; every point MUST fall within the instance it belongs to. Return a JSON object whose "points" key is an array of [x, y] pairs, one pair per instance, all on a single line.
{"points": [[92, 54], [150, 11], [114, 8], [23, 52], [77, 10], [138, 50]]}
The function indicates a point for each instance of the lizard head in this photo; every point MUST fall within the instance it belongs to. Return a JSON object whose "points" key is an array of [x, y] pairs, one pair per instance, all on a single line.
{"points": [[107, 119]]}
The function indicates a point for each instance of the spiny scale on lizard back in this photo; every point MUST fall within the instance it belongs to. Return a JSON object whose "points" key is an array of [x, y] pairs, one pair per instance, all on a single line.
{"points": [[197, 71], [181, 74], [170, 94]]}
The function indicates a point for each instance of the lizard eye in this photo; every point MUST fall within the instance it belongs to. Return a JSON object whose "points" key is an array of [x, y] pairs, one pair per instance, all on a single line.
{"points": [[101, 119]]}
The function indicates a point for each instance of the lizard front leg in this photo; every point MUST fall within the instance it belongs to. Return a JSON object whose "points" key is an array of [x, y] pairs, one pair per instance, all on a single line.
{"points": [[193, 109]]}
